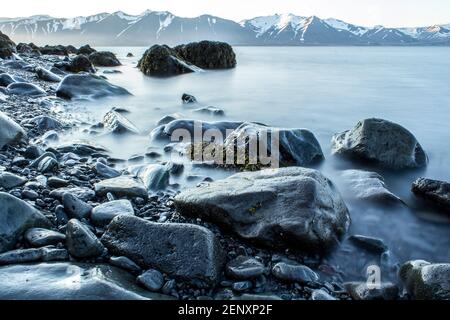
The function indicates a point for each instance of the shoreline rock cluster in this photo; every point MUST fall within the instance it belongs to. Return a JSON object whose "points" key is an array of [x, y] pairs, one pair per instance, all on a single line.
{"points": [[67, 215]]}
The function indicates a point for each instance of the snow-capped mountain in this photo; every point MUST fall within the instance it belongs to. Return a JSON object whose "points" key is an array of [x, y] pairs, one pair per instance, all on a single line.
{"points": [[119, 28]]}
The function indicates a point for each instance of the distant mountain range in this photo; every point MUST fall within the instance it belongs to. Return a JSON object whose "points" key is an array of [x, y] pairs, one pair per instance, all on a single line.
{"points": [[150, 27]]}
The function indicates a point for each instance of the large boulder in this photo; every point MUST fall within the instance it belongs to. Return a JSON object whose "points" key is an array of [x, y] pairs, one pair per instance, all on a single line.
{"points": [[290, 207], [426, 281], [184, 251], [57, 50], [80, 63], [382, 142], [86, 50], [87, 86], [104, 59], [370, 186], [7, 46], [10, 131], [25, 89], [298, 147], [163, 61], [16, 217], [437, 192], [208, 54], [118, 124], [70, 281]]}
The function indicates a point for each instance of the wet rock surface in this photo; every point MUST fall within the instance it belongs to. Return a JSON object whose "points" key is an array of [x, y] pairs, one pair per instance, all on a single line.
{"points": [[436, 192], [208, 54], [104, 59]]}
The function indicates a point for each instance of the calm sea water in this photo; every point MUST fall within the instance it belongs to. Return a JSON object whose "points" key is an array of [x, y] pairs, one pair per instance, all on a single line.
{"points": [[326, 90]]}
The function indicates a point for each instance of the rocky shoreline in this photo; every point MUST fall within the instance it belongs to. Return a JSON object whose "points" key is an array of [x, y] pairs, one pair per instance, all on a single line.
{"points": [[68, 216]]}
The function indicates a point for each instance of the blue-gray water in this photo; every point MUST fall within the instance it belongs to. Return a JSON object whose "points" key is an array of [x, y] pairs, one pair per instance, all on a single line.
{"points": [[327, 90]]}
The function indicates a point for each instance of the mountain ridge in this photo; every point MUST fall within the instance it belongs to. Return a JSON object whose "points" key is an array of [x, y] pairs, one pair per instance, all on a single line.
{"points": [[150, 27]]}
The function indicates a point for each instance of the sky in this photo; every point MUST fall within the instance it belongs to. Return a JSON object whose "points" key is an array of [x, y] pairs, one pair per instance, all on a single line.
{"points": [[390, 13]]}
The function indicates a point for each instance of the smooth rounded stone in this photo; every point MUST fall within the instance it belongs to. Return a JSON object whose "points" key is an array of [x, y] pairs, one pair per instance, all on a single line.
{"points": [[25, 89], [212, 111], [80, 63], [35, 163], [54, 182], [167, 119], [370, 186], [70, 281], [208, 54], [244, 268], [47, 164], [33, 152], [10, 132], [82, 193], [106, 171], [39, 237], [7, 46], [118, 124], [30, 195], [369, 243], [188, 126], [33, 255], [58, 50], [81, 242], [184, 251], [16, 217], [51, 135], [152, 280], [382, 142], [103, 214], [87, 86], [123, 186], [242, 286], [296, 146], [437, 192], [45, 123], [6, 80], [104, 59], [188, 98], [58, 72], [47, 75], [130, 55], [81, 149], [321, 295], [154, 176], [294, 273], [75, 208], [10, 181], [426, 281], [125, 263], [163, 61], [282, 208], [86, 50], [360, 291]]}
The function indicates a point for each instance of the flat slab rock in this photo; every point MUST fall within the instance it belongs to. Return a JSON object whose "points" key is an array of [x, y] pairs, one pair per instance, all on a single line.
{"points": [[184, 251], [283, 208], [70, 281]]}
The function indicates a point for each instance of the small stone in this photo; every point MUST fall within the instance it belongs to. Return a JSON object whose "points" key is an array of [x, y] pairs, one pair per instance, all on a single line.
{"points": [[10, 181], [152, 279], [371, 244], [244, 268], [294, 273], [39, 237], [81, 242], [54, 182], [360, 291], [242, 286], [125, 263], [104, 213], [75, 208], [321, 294]]}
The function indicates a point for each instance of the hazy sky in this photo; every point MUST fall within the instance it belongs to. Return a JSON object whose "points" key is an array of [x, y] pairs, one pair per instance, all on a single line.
{"points": [[392, 13]]}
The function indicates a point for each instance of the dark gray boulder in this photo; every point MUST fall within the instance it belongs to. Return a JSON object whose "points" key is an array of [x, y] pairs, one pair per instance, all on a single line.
{"points": [[76, 208], [80, 63], [25, 89], [86, 50], [47, 75], [70, 281], [437, 192], [123, 186], [118, 124], [208, 54], [426, 281], [104, 213], [82, 242], [188, 98], [297, 147], [369, 186], [57, 50], [16, 217], [183, 251], [381, 142], [163, 61], [44, 123], [104, 59], [11, 133], [371, 244], [87, 86], [7, 46], [290, 207]]}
